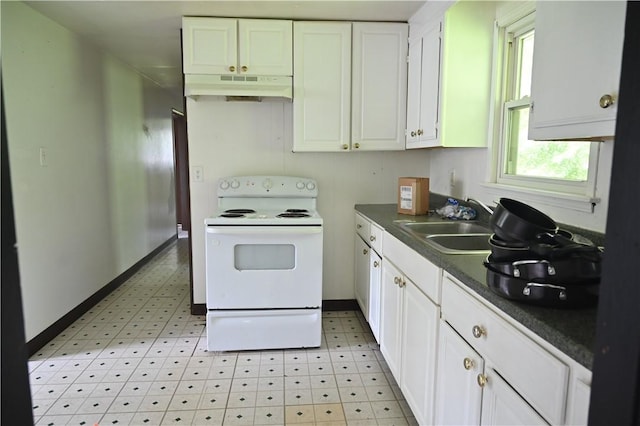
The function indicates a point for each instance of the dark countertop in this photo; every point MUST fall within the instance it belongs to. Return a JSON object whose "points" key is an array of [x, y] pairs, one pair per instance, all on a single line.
{"points": [[572, 331]]}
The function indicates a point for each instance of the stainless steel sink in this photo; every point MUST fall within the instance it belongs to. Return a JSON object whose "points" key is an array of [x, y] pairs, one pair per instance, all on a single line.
{"points": [[467, 237], [433, 228], [460, 243]]}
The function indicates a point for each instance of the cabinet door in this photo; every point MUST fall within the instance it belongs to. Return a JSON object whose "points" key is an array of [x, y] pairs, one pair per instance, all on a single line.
{"points": [[391, 316], [322, 86], [209, 45], [501, 405], [419, 344], [422, 105], [266, 47], [575, 62], [458, 395], [361, 256], [379, 86], [375, 279]]}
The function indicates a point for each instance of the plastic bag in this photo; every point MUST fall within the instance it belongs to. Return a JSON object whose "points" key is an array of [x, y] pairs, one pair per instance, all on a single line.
{"points": [[453, 210]]}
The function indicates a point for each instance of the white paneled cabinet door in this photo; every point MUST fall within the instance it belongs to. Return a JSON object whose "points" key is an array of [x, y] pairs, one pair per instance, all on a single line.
{"points": [[265, 47], [424, 89], [458, 395], [391, 316], [375, 280], [419, 339], [362, 255], [501, 405], [209, 45], [379, 85], [322, 86], [576, 64]]}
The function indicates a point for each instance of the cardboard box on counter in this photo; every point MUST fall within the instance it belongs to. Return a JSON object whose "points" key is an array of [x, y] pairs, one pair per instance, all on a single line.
{"points": [[413, 195]]}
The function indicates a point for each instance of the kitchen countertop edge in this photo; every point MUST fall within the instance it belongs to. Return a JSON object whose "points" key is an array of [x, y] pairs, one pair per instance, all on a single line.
{"points": [[572, 331]]}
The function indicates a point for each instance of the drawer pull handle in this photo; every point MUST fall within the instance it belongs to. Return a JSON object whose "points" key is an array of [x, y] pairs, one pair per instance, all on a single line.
{"points": [[482, 380], [372, 238], [365, 251], [478, 331], [468, 363], [376, 263]]}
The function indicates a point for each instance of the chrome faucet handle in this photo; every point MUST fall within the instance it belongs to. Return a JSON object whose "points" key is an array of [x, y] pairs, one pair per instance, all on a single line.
{"points": [[481, 204]]}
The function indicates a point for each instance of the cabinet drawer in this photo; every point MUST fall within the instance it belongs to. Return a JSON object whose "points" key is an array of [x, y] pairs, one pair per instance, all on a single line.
{"points": [[363, 228], [375, 237], [533, 372], [424, 274]]}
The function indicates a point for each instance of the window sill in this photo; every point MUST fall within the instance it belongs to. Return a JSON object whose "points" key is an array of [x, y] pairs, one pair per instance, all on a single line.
{"points": [[580, 203]]}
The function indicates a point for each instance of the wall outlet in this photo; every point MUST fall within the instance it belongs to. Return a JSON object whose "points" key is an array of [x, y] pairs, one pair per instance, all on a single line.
{"points": [[197, 174], [43, 157]]}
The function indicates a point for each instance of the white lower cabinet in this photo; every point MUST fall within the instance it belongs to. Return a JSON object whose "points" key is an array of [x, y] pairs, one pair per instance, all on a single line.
{"points": [[458, 396], [501, 405], [409, 325], [368, 271]]}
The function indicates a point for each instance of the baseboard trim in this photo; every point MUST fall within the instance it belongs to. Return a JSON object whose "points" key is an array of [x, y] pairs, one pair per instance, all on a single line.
{"points": [[327, 305], [60, 325]]}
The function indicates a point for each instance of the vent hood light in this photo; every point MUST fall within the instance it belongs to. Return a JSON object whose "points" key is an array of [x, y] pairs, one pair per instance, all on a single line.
{"points": [[238, 86]]}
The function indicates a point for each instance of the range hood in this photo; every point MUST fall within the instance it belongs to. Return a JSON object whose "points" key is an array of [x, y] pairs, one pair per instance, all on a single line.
{"points": [[238, 86]]}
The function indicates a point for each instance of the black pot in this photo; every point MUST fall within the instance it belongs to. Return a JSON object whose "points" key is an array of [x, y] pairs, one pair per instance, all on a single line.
{"points": [[557, 246], [559, 295], [515, 221], [568, 270], [506, 251]]}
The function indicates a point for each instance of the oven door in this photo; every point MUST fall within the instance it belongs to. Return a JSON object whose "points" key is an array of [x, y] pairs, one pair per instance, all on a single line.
{"points": [[263, 267]]}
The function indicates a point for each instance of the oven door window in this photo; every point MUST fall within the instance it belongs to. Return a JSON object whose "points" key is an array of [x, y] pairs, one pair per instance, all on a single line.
{"points": [[264, 257]]}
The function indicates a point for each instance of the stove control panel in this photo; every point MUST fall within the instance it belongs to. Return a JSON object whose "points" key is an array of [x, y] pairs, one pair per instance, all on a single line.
{"points": [[267, 186]]}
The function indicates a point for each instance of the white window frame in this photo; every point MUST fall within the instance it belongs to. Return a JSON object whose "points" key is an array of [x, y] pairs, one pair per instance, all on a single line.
{"points": [[570, 194]]}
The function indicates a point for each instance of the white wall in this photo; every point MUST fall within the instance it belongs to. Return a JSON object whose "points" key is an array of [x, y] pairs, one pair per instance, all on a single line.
{"points": [[228, 138], [105, 198], [471, 171]]}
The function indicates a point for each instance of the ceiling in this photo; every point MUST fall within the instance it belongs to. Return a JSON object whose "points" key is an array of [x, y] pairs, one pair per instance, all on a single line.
{"points": [[146, 34]]}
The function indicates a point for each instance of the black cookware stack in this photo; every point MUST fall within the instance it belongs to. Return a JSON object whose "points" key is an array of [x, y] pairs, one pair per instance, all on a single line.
{"points": [[533, 261]]}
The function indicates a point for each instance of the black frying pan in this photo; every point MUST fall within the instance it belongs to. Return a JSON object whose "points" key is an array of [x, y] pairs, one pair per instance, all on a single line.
{"points": [[515, 221]]}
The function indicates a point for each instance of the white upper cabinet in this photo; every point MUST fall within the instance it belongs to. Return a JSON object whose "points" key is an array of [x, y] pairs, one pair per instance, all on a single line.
{"points": [[322, 86], [576, 68], [349, 94], [237, 46], [450, 63], [379, 86]]}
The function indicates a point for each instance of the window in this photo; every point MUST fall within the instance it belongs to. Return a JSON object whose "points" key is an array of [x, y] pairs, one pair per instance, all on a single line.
{"points": [[558, 166]]}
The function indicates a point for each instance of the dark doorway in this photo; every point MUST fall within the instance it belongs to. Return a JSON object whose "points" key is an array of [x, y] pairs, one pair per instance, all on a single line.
{"points": [[181, 162]]}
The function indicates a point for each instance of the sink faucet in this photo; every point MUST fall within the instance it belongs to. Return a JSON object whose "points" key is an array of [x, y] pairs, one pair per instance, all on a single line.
{"points": [[481, 204]]}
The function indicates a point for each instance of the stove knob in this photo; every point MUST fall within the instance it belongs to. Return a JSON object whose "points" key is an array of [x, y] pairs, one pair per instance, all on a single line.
{"points": [[300, 185], [267, 184], [311, 186], [235, 184], [224, 185]]}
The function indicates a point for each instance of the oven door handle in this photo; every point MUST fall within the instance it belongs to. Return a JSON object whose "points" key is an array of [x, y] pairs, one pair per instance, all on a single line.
{"points": [[264, 230]]}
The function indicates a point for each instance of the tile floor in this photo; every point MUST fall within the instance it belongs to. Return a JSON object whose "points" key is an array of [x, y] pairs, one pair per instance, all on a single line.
{"points": [[139, 358]]}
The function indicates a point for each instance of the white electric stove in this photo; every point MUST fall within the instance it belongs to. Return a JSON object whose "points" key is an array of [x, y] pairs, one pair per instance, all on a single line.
{"points": [[264, 264]]}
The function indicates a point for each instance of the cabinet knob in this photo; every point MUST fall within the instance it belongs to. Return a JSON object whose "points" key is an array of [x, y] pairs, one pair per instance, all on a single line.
{"points": [[372, 238], [232, 68], [356, 145], [402, 283], [606, 101], [478, 331], [468, 363], [419, 132], [244, 68], [365, 251], [397, 280], [482, 380], [413, 134], [345, 146], [376, 263], [358, 226]]}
